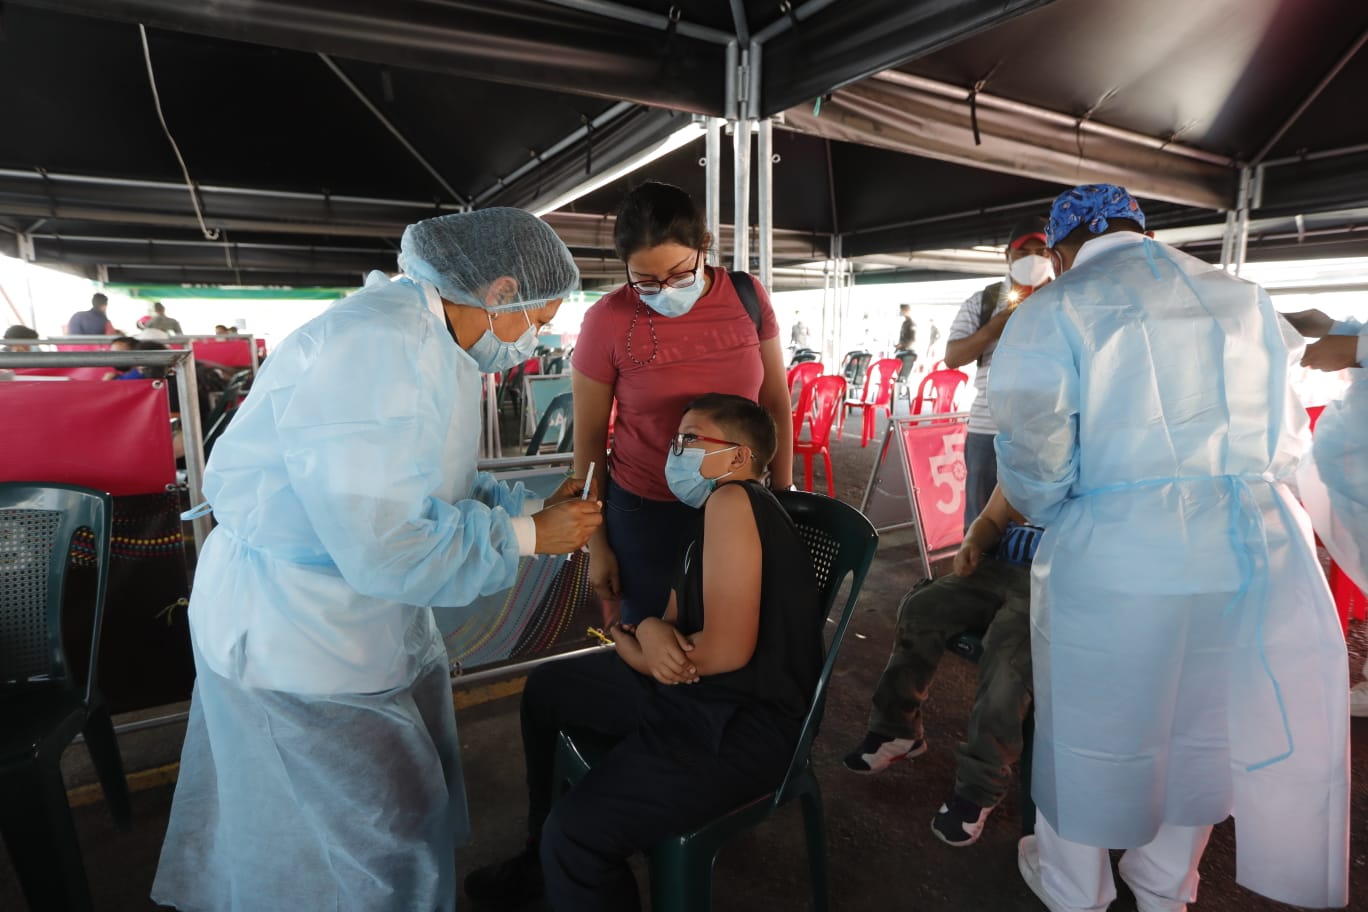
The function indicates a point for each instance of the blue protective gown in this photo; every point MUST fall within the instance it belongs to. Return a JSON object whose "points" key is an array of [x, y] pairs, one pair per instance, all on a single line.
{"points": [[1187, 659], [1335, 485], [348, 503]]}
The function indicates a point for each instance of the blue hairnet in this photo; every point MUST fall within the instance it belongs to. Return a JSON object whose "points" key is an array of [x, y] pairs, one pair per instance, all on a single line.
{"points": [[462, 254], [1091, 205]]}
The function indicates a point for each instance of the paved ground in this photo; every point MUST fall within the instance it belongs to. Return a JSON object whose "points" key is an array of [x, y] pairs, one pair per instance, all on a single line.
{"points": [[880, 847]]}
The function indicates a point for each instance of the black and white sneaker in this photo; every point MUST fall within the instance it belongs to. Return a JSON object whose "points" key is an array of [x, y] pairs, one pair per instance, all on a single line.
{"points": [[959, 822], [877, 753]]}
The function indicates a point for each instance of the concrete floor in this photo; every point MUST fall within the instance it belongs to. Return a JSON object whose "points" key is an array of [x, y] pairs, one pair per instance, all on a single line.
{"points": [[881, 851]]}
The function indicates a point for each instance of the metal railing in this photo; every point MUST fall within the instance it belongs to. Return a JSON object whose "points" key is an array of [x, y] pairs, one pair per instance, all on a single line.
{"points": [[187, 387]]}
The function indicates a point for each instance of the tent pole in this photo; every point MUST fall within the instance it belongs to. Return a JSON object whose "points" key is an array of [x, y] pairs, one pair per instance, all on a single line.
{"points": [[713, 194], [1242, 233], [741, 147], [765, 200], [389, 125]]}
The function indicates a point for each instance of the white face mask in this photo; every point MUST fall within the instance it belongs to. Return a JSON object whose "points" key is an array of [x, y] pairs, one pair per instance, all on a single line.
{"points": [[1031, 271]]}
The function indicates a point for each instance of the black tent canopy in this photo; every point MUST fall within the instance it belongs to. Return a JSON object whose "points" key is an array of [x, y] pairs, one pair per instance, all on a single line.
{"points": [[314, 130]]}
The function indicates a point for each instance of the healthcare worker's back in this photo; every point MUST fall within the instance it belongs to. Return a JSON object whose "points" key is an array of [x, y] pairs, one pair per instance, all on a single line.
{"points": [[1186, 658], [321, 767]]}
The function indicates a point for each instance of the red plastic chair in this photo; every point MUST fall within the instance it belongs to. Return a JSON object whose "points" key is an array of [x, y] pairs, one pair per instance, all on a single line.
{"points": [[800, 375], [820, 402], [877, 394], [945, 384]]}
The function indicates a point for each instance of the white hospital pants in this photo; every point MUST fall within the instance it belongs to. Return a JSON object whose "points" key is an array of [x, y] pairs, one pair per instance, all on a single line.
{"points": [[1162, 874]]}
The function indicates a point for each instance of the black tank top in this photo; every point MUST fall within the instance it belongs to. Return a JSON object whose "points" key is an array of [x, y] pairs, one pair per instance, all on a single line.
{"points": [[783, 672]]}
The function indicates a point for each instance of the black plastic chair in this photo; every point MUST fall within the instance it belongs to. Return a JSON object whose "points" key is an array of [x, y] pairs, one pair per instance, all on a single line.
{"points": [[842, 543], [854, 366], [44, 702], [560, 412], [970, 646]]}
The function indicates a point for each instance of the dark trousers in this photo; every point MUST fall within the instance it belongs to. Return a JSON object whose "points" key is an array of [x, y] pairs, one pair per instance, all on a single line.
{"points": [[996, 603], [646, 535], [658, 781], [980, 466]]}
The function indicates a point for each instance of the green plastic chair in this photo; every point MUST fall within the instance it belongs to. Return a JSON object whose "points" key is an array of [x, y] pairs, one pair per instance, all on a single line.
{"points": [[842, 543], [44, 702]]}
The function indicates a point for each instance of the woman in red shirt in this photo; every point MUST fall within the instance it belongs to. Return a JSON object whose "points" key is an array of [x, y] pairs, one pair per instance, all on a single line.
{"points": [[676, 330]]}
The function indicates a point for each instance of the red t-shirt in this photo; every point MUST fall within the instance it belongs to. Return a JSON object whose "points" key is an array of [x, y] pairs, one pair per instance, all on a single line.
{"points": [[713, 348]]}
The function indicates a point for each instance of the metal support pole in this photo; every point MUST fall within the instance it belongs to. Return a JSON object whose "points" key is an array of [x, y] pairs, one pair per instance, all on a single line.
{"points": [[394, 131], [712, 195], [192, 439], [1242, 232], [764, 176], [741, 144]]}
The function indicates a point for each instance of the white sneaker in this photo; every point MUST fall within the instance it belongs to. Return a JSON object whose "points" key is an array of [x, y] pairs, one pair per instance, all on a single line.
{"points": [[1028, 863], [1358, 699]]}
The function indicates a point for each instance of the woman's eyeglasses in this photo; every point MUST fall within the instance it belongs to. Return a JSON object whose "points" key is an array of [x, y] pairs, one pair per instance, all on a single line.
{"points": [[679, 441], [674, 280]]}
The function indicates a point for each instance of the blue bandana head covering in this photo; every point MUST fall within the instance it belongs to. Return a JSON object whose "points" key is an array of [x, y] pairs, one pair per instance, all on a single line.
{"points": [[1091, 205]]}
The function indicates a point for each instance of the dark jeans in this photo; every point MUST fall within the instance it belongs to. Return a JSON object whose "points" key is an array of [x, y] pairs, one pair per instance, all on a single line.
{"points": [[994, 602], [980, 466], [658, 781], [646, 535]]}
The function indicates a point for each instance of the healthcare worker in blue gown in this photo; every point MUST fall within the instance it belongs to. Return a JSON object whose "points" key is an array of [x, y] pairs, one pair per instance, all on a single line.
{"points": [[1188, 662], [321, 768], [1334, 485]]}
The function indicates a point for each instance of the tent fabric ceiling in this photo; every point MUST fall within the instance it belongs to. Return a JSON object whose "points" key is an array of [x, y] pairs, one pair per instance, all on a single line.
{"points": [[484, 90]]}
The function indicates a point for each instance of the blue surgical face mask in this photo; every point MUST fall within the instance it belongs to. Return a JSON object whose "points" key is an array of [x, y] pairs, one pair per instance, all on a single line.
{"points": [[675, 302], [684, 475], [493, 354]]}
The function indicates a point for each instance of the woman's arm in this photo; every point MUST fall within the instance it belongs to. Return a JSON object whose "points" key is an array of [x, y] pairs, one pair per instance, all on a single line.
{"points": [[774, 396], [731, 584], [593, 406]]}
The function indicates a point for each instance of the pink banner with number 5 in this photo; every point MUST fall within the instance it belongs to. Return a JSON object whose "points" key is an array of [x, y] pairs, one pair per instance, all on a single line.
{"points": [[935, 456]]}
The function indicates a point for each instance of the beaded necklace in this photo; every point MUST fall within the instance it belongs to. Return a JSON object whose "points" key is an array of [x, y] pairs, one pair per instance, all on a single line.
{"points": [[631, 330]]}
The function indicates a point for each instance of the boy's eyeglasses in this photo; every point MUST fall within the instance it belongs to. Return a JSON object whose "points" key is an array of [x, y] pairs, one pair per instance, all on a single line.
{"points": [[679, 441]]}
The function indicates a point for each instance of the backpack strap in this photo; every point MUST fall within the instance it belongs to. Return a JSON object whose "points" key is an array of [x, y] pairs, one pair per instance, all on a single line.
{"points": [[745, 290]]}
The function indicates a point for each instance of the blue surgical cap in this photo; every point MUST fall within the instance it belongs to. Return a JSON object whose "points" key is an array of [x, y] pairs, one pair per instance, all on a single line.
{"points": [[1091, 205], [463, 254]]}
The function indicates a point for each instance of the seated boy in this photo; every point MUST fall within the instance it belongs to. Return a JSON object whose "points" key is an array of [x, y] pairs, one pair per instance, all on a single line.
{"points": [[707, 701], [991, 594]]}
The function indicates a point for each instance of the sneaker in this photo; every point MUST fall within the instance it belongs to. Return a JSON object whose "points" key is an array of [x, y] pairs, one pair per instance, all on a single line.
{"points": [[959, 822], [1358, 699], [507, 884], [877, 753]]}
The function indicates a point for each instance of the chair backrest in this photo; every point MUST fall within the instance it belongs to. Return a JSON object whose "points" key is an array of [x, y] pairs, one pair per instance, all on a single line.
{"points": [[804, 354], [38, 524], [842, 543], [854, 365], [944, 383], [878, 388], [802, 374], [828, 395], [559, 413]]}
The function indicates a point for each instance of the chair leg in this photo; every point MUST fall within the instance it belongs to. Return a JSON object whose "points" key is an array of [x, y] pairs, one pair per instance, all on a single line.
{"points": [[682, 878], [104, 753], [840, 424], [36, 824], [831, 482], [814, 823], [867, 427], [807, 471]]}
